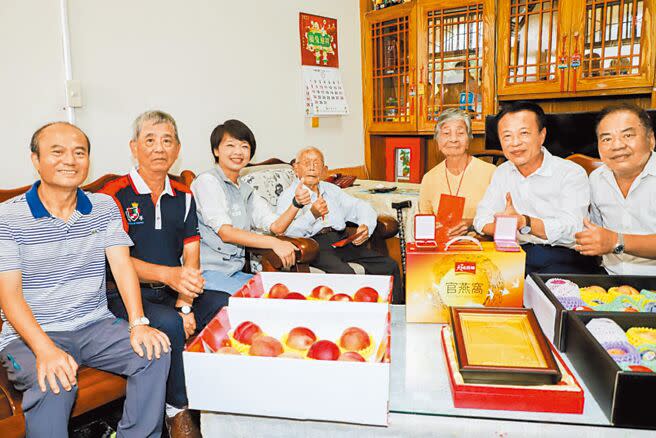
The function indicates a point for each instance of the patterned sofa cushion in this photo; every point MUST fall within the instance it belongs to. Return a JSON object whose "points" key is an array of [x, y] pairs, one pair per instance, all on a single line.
{"points": [[270, 183]]}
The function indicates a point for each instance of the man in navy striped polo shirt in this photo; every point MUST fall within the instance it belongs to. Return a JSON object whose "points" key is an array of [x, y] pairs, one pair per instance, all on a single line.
{"points": [[53, 243]]}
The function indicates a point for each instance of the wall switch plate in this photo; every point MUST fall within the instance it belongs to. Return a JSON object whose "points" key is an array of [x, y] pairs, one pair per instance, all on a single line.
{"points": [[74, 93]]}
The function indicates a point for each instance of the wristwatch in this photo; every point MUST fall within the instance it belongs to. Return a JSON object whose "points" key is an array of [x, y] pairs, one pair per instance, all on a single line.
{"points": [[185, 310], [526, 229], [296, 203], [139, 321], [619, 246]]}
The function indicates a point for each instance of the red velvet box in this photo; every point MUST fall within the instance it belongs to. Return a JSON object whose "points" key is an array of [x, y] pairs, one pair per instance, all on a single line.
{"points": [[564, 398]]}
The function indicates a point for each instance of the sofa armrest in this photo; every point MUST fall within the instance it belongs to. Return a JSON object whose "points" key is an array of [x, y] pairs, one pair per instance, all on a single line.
{"points": [[10, 399], [307, 251], [387, 226]]}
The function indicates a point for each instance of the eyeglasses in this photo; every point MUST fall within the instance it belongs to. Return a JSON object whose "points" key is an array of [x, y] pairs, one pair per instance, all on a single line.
{"points": [[311, 163]]}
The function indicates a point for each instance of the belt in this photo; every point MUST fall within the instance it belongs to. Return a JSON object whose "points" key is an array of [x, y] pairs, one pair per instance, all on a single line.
{"points": [[327, 230], [153, 285]]}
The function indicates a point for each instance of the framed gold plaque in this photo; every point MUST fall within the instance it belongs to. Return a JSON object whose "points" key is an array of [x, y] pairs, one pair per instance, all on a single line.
{"points": [[502, 345]]}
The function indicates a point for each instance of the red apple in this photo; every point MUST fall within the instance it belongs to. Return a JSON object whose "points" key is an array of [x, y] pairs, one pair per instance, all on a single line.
{"points": [[278, 290], [300, 338], [323, 350], [246, 332], [322, 292], [266, 346], [227, 350], [351, 356], [295, 296], [341, 297], [366, 295], [354, 339]]}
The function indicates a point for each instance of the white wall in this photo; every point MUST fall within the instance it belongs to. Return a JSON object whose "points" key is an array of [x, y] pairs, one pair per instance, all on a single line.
{"points": [[204, 61], [31, 81]]}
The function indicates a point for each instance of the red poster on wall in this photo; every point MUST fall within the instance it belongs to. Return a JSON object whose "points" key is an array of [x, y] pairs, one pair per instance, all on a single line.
{"points": [[318, 40], [403, 159]]}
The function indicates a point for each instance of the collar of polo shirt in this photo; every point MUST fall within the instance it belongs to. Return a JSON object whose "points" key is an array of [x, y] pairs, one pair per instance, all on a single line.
{"points": [[141, 188], [38, 210]]}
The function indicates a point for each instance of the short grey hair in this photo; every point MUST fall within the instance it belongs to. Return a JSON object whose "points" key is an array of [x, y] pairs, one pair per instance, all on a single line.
{"points": [[453, 114], [309, 149], [156, 117]]}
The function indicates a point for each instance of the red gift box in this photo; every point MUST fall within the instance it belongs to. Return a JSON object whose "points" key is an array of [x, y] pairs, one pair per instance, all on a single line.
{"points": [[566, 397]]}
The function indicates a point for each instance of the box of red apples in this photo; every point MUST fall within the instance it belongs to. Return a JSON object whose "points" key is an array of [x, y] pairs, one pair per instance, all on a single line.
{"points": [[303, 359], [318, 287]]}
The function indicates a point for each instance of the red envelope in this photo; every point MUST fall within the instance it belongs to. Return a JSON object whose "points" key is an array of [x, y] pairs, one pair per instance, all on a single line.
{"points": [[449, 214]]}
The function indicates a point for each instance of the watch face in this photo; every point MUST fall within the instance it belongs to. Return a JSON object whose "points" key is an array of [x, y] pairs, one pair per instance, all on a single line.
{"points": [[619, 249], [525, 230], [185, 310]]}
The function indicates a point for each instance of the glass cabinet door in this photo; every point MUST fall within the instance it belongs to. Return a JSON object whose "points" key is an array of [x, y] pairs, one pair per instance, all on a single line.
{"points": [[452, 66], [391, 73], [613, 46], [531, 41]]}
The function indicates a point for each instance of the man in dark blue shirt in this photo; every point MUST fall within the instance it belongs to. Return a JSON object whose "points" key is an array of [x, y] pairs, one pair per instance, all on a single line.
{"points": [[160, 218]]}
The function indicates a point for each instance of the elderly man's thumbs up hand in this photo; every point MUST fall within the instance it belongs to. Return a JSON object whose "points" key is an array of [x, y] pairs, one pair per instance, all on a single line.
{"points": [[302, 195]]}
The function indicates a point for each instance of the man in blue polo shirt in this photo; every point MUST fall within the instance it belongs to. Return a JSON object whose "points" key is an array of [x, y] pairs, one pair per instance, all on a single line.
{"points": [[53, 243], [160, 217]]}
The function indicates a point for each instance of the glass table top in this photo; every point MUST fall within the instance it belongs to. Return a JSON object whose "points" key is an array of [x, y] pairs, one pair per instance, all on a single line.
{"points": [[419, 383]]}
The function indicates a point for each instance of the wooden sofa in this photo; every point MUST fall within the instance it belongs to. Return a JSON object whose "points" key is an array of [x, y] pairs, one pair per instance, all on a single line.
{"points": [[97, 388]]}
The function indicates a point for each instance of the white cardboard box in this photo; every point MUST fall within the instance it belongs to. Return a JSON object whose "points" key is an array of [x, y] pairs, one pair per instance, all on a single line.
{"points": [[353, 392], [545, 311], [348, 284]]}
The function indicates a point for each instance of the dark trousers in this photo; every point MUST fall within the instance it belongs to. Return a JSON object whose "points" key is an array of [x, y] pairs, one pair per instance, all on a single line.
{"points": [[159, 307], [335, 261], [547, 259]]}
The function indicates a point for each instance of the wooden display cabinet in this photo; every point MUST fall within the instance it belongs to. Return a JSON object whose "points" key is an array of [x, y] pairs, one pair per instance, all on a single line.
{"points": [[389, 69], [423, 57], [455, 60], [565, 48]]}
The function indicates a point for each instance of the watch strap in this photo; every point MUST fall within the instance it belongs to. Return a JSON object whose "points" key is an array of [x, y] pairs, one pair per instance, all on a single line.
{"points": [[296, 203], [619, 246], [137, 322]]}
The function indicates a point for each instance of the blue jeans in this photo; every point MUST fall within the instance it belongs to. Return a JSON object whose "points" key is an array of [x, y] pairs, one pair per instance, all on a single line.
{"points": [[159, 307], [217, 280]]}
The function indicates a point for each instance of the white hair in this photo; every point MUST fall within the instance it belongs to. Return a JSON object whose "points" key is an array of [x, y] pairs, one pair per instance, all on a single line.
{"points": [[309, 149], [453, 114]]}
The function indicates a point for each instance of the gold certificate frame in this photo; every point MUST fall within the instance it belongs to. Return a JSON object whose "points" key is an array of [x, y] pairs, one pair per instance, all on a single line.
{"points": [[502, 346]]}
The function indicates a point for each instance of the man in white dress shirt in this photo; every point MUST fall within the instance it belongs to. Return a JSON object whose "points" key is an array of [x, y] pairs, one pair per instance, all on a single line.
{"points": [[324, 219], [623, 194], [548, 195]]}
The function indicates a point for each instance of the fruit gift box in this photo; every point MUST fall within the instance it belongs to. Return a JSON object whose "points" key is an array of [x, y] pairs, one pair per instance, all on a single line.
{"points": [[285, 358], [553, 296], [318, 287], [615, 355]]}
